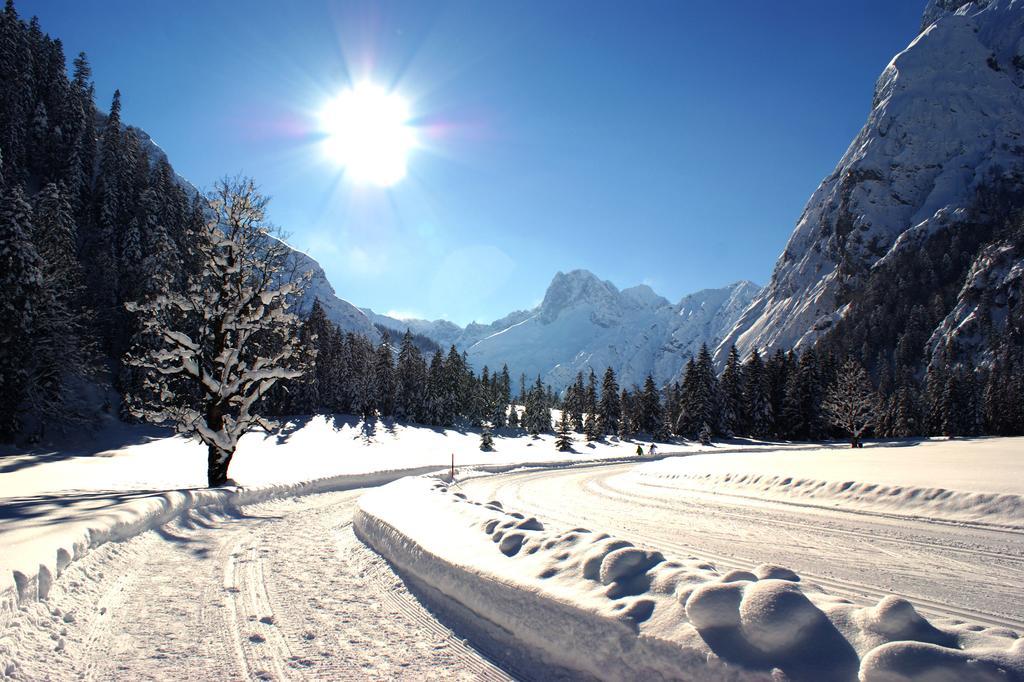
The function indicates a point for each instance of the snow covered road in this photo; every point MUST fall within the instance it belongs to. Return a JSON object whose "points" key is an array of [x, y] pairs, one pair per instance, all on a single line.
{"points": [[283, 591], [960, 572]]}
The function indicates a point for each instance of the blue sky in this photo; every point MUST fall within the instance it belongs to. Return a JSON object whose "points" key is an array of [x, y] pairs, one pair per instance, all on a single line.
{"points": [[670, 143]]}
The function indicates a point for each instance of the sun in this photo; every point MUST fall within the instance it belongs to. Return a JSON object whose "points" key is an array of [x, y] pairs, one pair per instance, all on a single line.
{"points": [[367, 131]]}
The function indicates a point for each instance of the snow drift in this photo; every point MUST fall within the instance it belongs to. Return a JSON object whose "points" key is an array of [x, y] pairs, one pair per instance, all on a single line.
{"points": [[599, 606]]}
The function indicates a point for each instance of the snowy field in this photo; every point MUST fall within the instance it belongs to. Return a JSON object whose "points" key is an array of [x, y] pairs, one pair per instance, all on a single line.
{"points": [[56, 504], [723, 562], [962, 481]]}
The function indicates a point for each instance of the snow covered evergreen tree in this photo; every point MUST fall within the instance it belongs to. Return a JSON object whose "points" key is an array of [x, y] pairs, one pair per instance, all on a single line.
{"points": [[649, 413], [802, 406], [563, 439], [63, 355], [21, 292], [705, 434], [699, 395], [486, 440], [410, 380], [384, 378], [731, 419], [513, 417], [228, 338], [626, 425], [757, 399], [609, 409], [575, 397]]}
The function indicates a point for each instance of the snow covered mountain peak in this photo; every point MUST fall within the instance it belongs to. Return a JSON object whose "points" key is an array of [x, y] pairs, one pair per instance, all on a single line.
{"points": [[576, 289], [947, 117], [645, 296]]}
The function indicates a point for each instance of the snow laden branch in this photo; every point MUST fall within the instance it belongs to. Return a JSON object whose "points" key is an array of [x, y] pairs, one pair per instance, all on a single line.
{"points": [[851, 403], [211, 351]]}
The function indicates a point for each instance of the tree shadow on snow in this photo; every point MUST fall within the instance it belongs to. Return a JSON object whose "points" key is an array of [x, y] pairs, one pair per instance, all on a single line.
{"points": [[105, 443]]}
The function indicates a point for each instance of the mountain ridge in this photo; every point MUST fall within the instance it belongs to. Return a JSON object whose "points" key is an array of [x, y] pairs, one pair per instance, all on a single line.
{"points": [[585, 322], [947, 118]]}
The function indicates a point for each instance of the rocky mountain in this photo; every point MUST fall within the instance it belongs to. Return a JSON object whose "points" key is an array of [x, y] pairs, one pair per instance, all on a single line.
{"points": [[339, 311], [584, 322], [946, 124]]}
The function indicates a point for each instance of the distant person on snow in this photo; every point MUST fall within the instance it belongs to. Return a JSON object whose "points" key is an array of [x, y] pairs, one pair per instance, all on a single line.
{"points": [[639, 450], [650, 450]]}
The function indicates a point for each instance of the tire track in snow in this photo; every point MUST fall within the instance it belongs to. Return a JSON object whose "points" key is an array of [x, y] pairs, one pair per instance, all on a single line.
{"points": [[589, 499], [283, 591]]}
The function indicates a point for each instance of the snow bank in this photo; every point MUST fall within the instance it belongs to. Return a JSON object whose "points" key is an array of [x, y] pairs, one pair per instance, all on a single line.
{"points": [[590, 603], [33, 558], [961, 481]]}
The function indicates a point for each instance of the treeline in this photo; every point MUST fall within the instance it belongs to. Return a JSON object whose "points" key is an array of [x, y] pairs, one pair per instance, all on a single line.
{"points": [[91, 216], [788, 396]]}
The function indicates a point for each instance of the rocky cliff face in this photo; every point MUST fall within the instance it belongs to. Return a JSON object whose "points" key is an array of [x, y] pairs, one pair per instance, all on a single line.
{"points": [[947, 118]]}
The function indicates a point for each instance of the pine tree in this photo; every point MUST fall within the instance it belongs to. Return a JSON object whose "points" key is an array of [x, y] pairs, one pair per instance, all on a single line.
{"points": [[592, 427], [625, 431], [705, 434], [62, 358], [436, 399], [102, 245], [513, 417], [699, 395], [497, 417], [410, 379], [574, 403], [609, 408], [21, 291], [706, 400], [802, 406], [384, 378], [486, 440], [537, 416], [731, 419], [778, 369], [563, 441], [757, 396], [649, 408]]}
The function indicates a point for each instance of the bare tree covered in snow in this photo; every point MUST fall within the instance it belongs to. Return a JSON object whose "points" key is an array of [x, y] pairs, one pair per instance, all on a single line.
{"points": [[211, 352], [851, 402]]}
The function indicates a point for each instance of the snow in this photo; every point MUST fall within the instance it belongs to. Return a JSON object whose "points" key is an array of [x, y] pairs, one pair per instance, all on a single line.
{"points": [[57, 505], [942, 121], [963, 481], [281, 591], [568, 600], [581, 600]]}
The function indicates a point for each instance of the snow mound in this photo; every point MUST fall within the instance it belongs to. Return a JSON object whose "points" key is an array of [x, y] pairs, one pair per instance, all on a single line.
{"points": [[586, 602]]}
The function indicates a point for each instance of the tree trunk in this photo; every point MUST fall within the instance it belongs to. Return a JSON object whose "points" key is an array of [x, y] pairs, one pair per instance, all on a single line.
{"points": [[217, 459], [217, 462], [854, 441]]}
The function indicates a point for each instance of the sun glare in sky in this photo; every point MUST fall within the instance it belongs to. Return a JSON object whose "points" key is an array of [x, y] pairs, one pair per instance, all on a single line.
{"points": [[368, 132]]}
